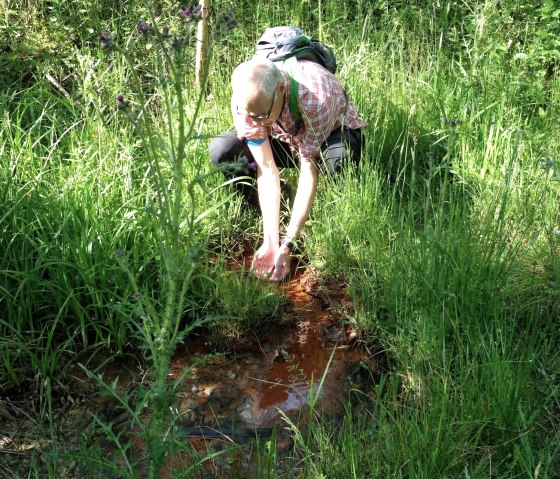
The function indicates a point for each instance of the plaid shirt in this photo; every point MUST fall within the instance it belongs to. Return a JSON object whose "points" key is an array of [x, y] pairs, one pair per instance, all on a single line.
{"points": [[323, 105]]}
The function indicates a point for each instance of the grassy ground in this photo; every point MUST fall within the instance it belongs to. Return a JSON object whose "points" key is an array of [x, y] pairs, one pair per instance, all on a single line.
{"points": [[448, 239]]}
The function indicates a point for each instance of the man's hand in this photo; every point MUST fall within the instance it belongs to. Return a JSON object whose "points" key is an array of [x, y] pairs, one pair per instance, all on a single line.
{"points": [[263, 262], [281, 264], [272, 263]]}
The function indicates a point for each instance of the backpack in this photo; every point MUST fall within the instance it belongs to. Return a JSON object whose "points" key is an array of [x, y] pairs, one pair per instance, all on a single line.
{"points": [[283, 43]]}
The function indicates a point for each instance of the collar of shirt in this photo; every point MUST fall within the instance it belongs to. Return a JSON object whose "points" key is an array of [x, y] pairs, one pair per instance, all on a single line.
{"points": [[285, 125]]}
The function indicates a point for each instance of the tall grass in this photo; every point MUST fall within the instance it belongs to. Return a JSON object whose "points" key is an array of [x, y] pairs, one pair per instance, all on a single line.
{"points": [[446, 229]]}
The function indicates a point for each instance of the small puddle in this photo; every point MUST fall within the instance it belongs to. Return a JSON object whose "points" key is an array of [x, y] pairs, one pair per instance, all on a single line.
{"points": [[281, 376]]}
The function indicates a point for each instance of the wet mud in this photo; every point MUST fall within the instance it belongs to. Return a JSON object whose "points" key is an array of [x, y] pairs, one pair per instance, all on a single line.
{"points": [[238, 398]]}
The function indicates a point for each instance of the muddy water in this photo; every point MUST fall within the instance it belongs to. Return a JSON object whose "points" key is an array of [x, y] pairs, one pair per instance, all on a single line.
{"points": [[226, 401], [280, 376]]}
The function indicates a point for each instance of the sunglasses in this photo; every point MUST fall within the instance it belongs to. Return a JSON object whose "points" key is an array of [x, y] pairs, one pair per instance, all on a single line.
{"points": [[263, 116]]}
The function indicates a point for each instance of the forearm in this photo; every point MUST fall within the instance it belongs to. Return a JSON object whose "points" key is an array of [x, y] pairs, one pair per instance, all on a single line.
{"points": [[307, 187], [268, 184]]}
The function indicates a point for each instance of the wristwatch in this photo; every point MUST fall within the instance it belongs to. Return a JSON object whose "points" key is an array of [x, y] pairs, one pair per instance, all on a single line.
{"points": [[288, 243]]}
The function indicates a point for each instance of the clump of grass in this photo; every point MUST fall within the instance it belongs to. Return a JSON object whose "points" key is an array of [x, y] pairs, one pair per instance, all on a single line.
{"points": [[244, 305], [441, 276]]}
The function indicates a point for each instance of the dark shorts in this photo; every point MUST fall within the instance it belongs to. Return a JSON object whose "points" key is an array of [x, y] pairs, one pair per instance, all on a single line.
{"points": [[233, 157], [343, 145]]}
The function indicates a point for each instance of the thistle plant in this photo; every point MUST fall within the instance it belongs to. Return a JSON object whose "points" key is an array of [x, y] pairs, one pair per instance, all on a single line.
{"points": [[161, 312]]}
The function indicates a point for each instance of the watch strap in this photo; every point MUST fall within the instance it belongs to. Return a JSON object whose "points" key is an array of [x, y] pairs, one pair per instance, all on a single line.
{"points": [[288, 243]]}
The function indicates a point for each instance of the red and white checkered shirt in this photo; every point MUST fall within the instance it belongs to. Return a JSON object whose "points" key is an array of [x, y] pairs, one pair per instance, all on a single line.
{"points": [[323, 106]]}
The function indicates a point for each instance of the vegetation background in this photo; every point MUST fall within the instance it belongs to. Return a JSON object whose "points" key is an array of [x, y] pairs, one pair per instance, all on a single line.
{"points": [[448, 240]]}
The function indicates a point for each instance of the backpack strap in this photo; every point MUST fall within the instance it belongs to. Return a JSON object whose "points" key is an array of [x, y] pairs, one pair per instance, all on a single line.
{"points": [[293, 104]]}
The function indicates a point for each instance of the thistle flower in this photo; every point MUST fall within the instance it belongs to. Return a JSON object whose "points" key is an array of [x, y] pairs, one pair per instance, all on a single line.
{"points": [[452, 122], [193, 13], [145, 28], [178, 42], [107, 41], [123, 104], [227, 20]]}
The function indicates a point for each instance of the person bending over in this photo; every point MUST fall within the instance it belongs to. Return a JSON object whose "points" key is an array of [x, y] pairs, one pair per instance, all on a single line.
{"points": [[319, 135]]}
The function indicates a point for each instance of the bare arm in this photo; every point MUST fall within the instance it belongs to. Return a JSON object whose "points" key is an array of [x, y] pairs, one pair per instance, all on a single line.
{"points": [[272, 260], [307, 187], [268, 185]]}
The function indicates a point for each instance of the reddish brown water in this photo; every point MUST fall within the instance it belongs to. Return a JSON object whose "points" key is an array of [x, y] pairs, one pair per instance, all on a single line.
{"points": [[231, 399], [283, 374]]}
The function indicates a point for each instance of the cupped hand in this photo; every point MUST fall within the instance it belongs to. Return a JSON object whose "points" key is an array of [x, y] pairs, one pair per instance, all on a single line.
{"points": [[263, 262], [281, 264], [271, 263]]}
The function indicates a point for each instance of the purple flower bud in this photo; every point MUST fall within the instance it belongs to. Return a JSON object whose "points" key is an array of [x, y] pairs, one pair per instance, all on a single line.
{"points": [[107, 40], [227, 21], [177, 42], [193, 12], [123, 104], [145, 28], [453, 122], [142, 26]]}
